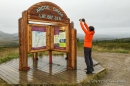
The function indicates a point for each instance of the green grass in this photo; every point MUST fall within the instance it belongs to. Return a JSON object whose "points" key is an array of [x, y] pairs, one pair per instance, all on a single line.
{"points": [[112, 47], [7, 54], [121, 47]]}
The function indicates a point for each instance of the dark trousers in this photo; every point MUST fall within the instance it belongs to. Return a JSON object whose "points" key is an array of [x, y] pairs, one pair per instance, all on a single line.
{"points": [[88, 59]]}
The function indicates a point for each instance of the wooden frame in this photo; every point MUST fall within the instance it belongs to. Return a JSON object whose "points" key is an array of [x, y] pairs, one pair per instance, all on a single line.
{"points": [[30, 37], [65, 28], [50, 14]]}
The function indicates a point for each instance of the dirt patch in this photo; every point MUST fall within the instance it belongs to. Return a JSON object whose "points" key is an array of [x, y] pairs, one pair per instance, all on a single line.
{"points": [[118, 68]]}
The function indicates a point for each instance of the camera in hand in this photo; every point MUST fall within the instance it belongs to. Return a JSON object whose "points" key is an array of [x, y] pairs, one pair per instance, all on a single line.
{"points": [[83, 19]]}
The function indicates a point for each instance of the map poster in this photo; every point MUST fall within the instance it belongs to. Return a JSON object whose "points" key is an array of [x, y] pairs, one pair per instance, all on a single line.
{"points": [[62, 40], [38, 37], [56, 37]]}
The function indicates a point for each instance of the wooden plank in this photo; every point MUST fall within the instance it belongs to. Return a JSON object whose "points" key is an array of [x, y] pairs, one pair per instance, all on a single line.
{"points": [[98, 68], [45, 73], [32, 12], [13, 67], [10, 71], [22, 79], [15, 73], [24, 60], [4, 78], [73, 49], [20, 43], [67, 38], [48, 37], [69, 66], [40, 75], [28, 38], [9, 76], [68, 76], [52, 37]]}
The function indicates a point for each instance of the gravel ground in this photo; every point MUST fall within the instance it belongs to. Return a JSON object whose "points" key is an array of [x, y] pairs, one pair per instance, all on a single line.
{"points": [[117, 65], [118, 68]]}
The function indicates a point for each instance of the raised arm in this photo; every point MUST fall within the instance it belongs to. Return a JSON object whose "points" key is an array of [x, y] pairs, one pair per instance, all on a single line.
{"points": [[82, 26], [85, 24]]}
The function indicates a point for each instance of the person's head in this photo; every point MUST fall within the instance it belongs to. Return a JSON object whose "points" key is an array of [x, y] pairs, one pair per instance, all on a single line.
{"points": [[91, 28]]}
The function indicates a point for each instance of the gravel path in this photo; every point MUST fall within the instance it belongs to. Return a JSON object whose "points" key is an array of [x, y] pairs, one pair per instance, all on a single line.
{"points": [[118, 68]]}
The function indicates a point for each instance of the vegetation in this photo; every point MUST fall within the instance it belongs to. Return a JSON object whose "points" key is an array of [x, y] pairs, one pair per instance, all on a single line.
{"points": [[93, 80], [7, 54], [117, 45], [8, 43]]}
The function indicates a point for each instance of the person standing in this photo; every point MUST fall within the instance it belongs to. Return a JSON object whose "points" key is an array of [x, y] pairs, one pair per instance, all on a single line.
{"points": [[89, 33]]}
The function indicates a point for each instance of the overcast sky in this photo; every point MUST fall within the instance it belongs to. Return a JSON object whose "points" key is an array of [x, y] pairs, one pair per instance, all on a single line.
{"points": [[107, 16]]}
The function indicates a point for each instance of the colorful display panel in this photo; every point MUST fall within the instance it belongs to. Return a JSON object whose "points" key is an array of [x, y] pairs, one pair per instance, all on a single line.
{"points": [[59, 39]]}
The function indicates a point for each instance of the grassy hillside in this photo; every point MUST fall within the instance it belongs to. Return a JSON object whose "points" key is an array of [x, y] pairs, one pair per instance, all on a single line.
{"points": [[8, 40]]}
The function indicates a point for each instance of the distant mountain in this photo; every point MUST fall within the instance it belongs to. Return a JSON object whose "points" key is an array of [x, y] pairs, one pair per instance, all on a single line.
{"points": [[6, 36], [8, 39]]}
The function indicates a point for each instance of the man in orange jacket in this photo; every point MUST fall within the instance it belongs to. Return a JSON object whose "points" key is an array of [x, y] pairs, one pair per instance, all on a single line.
{"points": [[89, 32]]}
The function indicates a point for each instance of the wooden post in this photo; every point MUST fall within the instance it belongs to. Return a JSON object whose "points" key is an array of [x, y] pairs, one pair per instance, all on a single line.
{"points": [[50, 57], [50, 69], [69, 66], [23, 65], [35, 63], [72, 60], [35, 56], [20, 44], [74, 49]]}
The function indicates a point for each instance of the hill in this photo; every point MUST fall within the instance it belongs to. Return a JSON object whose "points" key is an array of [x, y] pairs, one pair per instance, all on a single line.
{"points": [[8, 39]]}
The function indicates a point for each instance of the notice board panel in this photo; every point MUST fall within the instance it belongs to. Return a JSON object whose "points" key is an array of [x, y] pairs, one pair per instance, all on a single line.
{"points": [[38, 38], [60, 38]]}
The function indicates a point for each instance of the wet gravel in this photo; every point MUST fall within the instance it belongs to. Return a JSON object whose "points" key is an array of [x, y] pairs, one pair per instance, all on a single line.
{"points": [[118, 68]]}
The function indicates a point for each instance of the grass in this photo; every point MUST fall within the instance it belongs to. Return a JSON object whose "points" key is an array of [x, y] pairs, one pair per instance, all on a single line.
{"points": [[7, 54], [93, 80], [112, 47]]}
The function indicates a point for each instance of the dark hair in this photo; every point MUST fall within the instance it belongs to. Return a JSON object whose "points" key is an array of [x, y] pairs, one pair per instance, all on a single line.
{"points": [[91, 28]]}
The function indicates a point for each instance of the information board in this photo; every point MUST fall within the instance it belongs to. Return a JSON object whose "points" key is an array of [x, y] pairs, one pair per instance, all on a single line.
{"points": [[59, 39], [38, 37]]}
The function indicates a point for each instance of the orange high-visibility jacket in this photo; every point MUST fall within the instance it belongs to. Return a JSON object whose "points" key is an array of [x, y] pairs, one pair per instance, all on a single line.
{"points": [[88, 35]]}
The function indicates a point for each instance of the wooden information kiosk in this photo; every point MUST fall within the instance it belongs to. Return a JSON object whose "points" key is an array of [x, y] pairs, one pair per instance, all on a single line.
{"points": [[56, 33]]}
